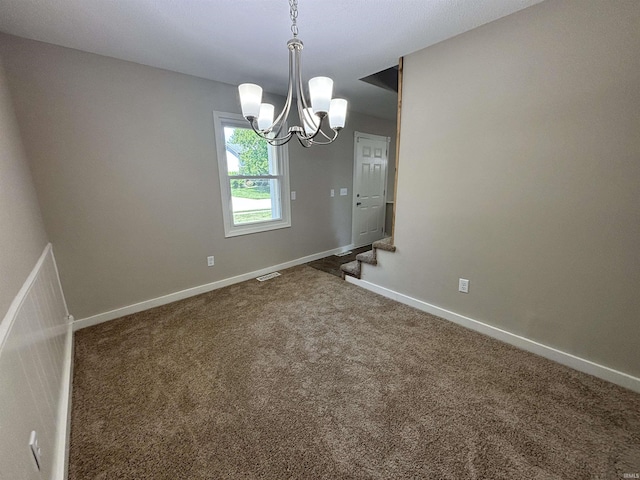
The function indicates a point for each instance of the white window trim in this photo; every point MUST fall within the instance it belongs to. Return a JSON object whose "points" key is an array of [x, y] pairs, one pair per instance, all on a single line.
{"points": [[230, 230]]}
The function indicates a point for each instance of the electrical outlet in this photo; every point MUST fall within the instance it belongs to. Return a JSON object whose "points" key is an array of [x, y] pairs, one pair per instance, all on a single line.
{"points": [[333, 192], [463, 285], [35, 449], [210, 261], [293, 195]]}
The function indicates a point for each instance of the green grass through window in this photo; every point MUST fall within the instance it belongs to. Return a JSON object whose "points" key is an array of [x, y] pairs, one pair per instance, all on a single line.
{"points": [[252, 216], [249, 193]]}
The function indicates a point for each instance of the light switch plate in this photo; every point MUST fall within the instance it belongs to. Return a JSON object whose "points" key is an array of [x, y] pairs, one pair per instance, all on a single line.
{"points": [[343, 191]]}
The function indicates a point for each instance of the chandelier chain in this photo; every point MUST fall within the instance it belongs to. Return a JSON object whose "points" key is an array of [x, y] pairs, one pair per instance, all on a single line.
{"points": [[293, 13]]}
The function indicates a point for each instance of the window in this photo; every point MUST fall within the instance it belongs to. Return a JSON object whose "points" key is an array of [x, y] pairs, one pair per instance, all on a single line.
{"points": [[254, 178]]}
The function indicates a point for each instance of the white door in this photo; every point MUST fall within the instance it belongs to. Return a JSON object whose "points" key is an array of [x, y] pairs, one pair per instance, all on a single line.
{"points": [[369, 185]]}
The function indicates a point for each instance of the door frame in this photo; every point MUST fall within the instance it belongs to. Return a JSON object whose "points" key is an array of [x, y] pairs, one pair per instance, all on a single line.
{"points": [[370, 136]]}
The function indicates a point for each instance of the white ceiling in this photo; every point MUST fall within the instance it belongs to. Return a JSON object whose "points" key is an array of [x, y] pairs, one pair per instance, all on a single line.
{"points": [[236, 41]]}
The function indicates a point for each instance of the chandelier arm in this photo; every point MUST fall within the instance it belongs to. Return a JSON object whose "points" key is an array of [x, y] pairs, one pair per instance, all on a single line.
{"points": [[281, 141], [271, 141], [327, 136], [310, 139], [313, 135], [304, 142], [331, 140], [301, 99], [301, 96], [280, 120]]}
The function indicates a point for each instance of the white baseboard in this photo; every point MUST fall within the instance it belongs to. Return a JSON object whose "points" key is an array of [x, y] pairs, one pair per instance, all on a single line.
{"points": [[190, 292], [564, 358], [64, 416]]}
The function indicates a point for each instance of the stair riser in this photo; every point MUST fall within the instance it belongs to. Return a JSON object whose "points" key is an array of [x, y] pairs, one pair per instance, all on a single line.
{"points": [[354, 269]]}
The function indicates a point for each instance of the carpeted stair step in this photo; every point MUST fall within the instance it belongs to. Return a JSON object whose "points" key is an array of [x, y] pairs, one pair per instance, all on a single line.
{"points": [[384, 244], [354, 269], [368, 257], [351, 268]]}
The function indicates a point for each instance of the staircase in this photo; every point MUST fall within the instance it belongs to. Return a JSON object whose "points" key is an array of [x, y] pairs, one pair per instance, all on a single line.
{"points": [[354, 268]]}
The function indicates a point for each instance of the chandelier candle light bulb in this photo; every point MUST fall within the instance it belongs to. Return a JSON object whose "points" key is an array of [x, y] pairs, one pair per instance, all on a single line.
{"points": [[337, 113], [310, 121], [320, 90], [250, 98], [265, 117], [312, 114]]}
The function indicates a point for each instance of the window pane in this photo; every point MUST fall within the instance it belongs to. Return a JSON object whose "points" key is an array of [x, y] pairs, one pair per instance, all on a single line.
{"points": [[254, 200], [247, 154]]}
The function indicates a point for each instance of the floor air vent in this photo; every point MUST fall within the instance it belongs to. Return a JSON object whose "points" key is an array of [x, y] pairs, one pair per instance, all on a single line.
{"points": [[268, 276]]}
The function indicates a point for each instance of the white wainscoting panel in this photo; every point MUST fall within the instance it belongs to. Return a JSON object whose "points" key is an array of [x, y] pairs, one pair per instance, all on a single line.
{"points": [[35, 376]]}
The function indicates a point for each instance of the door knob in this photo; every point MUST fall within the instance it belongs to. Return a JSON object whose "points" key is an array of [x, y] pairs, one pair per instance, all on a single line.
{"points": [[359, 203]]}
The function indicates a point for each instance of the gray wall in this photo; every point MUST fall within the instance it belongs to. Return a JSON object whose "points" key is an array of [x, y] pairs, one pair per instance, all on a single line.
{"points": [[124, 162], [32, 336], [520, 170], [22, 234]]}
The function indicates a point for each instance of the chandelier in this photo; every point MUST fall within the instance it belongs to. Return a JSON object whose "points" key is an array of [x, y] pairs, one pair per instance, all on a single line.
{"points": [[312, 118]]}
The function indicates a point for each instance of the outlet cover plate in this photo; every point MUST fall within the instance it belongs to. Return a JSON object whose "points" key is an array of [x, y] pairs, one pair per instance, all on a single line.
{"points": [[463, 285]]}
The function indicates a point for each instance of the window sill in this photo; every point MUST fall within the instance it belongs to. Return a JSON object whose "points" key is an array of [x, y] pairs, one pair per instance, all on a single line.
{"points": [[257, 227]]}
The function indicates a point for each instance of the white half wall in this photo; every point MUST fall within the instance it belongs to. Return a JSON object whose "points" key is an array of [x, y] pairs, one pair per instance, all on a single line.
{"points": [[35, 373]]}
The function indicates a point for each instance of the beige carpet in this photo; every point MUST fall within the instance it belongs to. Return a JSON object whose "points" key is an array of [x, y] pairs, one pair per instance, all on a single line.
{"points": [[308, 377]]}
